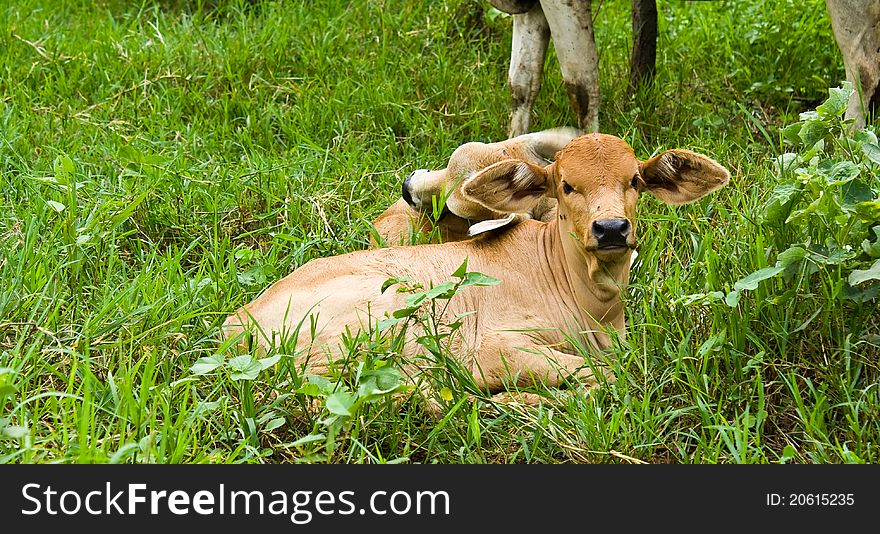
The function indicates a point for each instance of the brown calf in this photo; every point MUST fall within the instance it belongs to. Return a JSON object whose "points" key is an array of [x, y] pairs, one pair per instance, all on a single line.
{"points": [[558, 278]]}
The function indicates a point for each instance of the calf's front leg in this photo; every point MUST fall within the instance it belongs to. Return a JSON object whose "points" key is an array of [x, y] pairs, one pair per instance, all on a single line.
{"points": [[503, 360]]}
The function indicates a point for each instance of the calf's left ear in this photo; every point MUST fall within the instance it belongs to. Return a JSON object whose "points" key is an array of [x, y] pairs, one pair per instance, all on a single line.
{"points": [[509, 186], [681, 176]]}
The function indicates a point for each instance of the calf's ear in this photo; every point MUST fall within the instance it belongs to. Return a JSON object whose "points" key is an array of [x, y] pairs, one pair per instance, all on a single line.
{"points": [[682, 176], [509, 186]]}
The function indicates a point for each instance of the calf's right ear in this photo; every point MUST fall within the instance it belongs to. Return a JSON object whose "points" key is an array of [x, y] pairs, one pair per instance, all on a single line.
{"points": [[681, 176], [509, 186]]}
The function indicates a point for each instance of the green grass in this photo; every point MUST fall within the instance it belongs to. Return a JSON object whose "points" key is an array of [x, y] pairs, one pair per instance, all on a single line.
{"points": [[161, 162]]}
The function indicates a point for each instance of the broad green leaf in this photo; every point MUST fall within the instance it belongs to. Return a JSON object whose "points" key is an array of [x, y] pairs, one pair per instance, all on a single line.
{"points": [[404, 312], [254, 276], [57, 206], [392, 281], [810, 115], [6, 390], [785, 162], [873, 249], [479, 279], [446, 290], [732, 299], [838, 172], [860, 276], [812, 132], [324, 384], [791, 255], [204, 407], [791, 260], [801, 215], [311, 390], [274, 423], [712, 344], [64, 169], [380, 381], [431, 343], [865, 136], [783, 297], [415, 299], [872, 151], [206, 364], [868, 212], [864, 293], [855, 192], [781, 195], [750, 282], [831, 256], [139, 157], [462, 269], [124, 453], [387, 377], [246, 367], [699, 298], [788, 453], [242, 362], [266, 363], [340, 403], [446, 394], [838, 97], [791, 133], [387, 323], [311, 438]]}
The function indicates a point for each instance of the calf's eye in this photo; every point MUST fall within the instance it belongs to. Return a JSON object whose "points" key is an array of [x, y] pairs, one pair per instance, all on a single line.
{"points": [[566, 188], [635, 181]]}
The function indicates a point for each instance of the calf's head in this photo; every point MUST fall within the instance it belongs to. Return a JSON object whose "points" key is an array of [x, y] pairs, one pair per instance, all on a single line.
{"points": [[596, 180], [423, 187], [536, 148]]}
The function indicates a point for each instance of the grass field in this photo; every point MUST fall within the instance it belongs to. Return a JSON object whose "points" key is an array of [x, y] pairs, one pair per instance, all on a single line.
{"points": [[161, 162]]}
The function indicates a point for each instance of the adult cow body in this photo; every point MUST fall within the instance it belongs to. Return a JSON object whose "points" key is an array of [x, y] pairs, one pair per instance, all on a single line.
{"points": [[558, 278]]}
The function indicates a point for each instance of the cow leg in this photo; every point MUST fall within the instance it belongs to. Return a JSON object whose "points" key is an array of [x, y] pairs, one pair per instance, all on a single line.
{"points": [[856, 25], [644, 52], [504, 360], [531, 35], [571, 26]]}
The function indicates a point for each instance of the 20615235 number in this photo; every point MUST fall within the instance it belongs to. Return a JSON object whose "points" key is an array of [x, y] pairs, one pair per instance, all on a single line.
{"points": [[821, 499]]}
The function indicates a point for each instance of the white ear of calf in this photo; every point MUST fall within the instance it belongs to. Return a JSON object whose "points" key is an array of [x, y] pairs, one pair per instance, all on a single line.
{"points": [[492, 224]]}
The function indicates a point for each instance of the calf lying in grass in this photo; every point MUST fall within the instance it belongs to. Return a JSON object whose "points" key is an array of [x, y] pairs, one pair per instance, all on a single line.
{"points": [[561, 280]]}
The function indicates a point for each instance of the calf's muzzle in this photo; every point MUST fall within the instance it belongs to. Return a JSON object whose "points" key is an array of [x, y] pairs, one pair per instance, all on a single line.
{"points": [[611, 233], [407, 196]]}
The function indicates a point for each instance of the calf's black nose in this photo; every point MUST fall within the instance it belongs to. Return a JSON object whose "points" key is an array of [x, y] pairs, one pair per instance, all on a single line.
{"points": [[405, 190], [611, 232]]}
